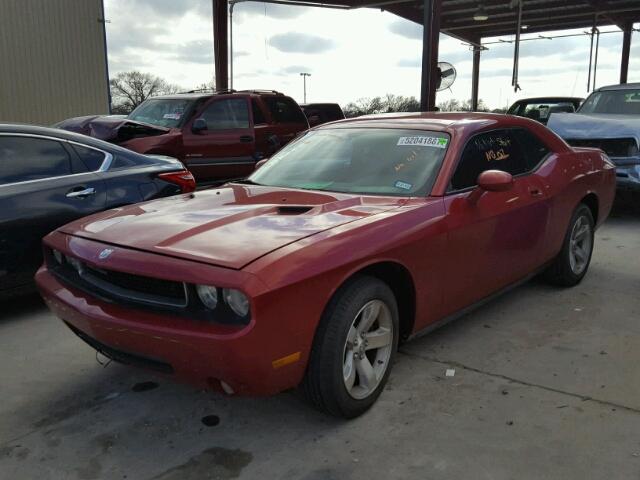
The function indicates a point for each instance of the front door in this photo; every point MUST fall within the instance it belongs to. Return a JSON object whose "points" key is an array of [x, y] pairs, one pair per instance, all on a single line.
{"points": [[226, 148], [499, 239]]}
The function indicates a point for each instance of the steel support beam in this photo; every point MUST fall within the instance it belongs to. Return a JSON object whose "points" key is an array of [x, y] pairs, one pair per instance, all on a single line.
{"points": [[430, 38], [475, 77], [626, 49], [220, 43]]}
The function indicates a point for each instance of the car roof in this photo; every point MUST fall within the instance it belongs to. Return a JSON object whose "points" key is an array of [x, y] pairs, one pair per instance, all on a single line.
{"points": [[457, 124], [63, 135], [435, 121], [621, 86], [320, 104], [196, 94]]}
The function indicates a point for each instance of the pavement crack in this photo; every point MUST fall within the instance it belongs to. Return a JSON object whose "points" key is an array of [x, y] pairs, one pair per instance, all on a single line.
{"points": [[584, 398]]}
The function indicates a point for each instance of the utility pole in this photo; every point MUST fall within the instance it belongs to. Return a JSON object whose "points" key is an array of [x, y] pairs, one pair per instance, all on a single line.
{"points": [[304, 76]]}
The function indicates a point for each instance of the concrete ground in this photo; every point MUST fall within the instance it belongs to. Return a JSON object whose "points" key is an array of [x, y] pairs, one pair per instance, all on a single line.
{"points": [[546, 386]]}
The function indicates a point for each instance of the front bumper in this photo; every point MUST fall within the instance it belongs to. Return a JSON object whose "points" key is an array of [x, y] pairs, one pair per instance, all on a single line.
{"points": [[200, 353], [627, 172]]}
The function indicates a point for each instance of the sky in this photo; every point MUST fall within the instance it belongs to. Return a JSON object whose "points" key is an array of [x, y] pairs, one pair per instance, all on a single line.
{"points": [[350, 54]]}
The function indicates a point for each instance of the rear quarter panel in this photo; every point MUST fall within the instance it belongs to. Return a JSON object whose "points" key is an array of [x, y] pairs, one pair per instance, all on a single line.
{"points": [[570, 177]]}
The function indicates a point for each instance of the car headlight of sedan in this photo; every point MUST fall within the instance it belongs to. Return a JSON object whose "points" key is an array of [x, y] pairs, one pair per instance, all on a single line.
{"points": [[208, 295], [237, 301]]}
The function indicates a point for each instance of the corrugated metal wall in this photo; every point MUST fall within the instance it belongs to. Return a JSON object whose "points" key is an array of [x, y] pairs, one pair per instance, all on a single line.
{"points": [[52, 60]]}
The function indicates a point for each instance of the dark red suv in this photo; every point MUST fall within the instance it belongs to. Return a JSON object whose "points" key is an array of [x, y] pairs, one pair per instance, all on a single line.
{"points": [[218, 136]]}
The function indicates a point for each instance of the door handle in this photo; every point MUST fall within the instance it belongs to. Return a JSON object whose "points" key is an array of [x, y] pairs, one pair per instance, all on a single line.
{"points": [[246, 138], [81, 193], [535, 192]]}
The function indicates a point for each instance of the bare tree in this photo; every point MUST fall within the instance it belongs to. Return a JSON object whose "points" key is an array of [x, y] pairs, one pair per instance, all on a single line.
{"points": [[390, 103], [454, 105], [130, 89]]}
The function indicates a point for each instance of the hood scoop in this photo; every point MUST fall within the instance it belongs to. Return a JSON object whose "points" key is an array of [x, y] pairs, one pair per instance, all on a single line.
{"points": [[293, 209]]}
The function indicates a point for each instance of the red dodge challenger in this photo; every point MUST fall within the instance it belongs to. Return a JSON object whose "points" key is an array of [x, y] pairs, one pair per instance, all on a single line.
{"points": [[358, 235]]}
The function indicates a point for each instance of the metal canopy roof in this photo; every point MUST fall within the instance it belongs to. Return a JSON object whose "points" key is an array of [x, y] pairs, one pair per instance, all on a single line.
{"points": [[538, 15]]}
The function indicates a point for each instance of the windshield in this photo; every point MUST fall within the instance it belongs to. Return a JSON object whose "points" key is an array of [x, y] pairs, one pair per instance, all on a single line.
{"points": [[358, 160], [542, 110], [161, 112], [621, 102]]}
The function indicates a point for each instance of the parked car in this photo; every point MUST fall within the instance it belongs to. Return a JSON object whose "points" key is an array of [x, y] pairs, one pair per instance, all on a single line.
{"points": [[319, 113], [218, 136], [541, 108], [49, 177], [609, 119], [358, 235]]}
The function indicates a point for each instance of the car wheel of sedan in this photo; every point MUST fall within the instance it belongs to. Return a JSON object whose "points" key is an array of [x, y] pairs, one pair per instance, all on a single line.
{"points": [[571, 265], [354, 348]]}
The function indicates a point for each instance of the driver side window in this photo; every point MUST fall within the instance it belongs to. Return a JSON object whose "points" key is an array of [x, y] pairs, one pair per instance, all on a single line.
{"points": [[227, 114], [495, 150]]}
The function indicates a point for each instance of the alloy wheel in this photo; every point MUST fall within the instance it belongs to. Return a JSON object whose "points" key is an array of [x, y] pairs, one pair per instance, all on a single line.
{"points": [[580, 247], [368, 349]]}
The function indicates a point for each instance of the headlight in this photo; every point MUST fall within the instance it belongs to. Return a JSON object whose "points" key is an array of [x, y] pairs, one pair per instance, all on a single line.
{"points": [[237, 301], [208, 295], [57, 254]]}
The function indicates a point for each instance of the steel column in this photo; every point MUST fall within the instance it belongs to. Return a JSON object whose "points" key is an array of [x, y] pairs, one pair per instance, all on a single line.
{"points": [[626, 49], [475, 77], [430, 38], [220, 45]]}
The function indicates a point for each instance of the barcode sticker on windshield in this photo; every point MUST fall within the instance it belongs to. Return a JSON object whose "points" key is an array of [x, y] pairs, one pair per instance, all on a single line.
{"points": [[423, 142]]}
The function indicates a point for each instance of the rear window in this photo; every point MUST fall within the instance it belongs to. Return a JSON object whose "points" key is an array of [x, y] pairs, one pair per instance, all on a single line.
{"points": [[284, 110]]}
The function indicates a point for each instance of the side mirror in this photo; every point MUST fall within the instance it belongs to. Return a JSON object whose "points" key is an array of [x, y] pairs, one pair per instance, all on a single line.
{"points": [[199, 124], [260, 163], [491, 181]]}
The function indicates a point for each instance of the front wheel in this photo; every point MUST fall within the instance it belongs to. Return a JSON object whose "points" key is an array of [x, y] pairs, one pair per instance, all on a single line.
{"points": [[572, 263], [354, 348]]}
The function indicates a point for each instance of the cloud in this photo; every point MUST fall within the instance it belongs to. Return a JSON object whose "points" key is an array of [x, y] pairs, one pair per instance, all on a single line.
{"points": [[296, 69], [409, 63], [407, 29], [124, 36], [171, 8], [292, 42], [195, 51]]}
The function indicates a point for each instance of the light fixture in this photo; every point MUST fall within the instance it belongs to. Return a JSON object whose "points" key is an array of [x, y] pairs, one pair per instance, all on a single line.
{"points": [[481, 14]]}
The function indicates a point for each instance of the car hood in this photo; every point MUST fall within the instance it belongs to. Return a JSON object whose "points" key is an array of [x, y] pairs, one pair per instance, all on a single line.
{"points": [[231, 226], [596, 126], [111, 128]]}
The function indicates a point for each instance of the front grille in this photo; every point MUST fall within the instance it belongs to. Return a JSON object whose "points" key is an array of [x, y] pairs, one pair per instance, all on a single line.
{"points": [[138, 291], [614, 147], [151, 289], [114, 285]]}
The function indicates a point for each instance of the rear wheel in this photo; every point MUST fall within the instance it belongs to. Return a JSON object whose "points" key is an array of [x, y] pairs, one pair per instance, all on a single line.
{"points": [[572, 263], [354, 348]]}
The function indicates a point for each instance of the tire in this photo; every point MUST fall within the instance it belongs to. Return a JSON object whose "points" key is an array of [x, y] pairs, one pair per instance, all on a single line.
{"points": [[568, 269], [338, 345]]}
